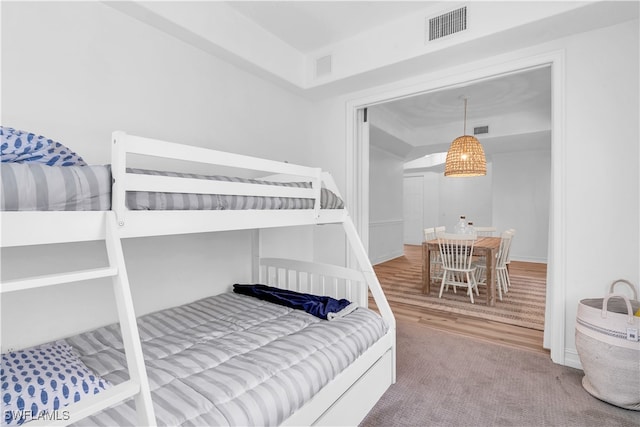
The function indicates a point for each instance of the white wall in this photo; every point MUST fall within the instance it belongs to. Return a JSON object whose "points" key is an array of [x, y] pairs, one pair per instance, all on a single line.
{"points": [[446, 199], [521, 194], [600, 178], [385, 206], [75, 72], [413, 204], [431, 199], [468, 196]]}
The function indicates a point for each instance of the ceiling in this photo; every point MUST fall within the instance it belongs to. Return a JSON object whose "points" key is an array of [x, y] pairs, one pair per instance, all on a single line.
{"points": [[516, 108], [279, 40], [426, 123], [311, 25], [495, 97]]}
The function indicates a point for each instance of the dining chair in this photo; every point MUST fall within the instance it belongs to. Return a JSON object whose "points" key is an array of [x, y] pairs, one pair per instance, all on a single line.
{"points": [[485, 231], [502, 275], [513, 233], [431, 233], [456, 252]]}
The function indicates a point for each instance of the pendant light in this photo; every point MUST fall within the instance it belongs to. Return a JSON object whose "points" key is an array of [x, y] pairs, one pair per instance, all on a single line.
{"points": [[465, 156]]}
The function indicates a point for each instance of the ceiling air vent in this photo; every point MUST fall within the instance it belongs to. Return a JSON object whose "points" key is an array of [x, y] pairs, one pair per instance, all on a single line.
{"points": [[448, 23], [480, 130], [323, 66]]}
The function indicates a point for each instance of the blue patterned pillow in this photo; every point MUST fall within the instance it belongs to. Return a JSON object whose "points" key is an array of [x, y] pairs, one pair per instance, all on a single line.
{"points": [[17, 146], [39, 381]]}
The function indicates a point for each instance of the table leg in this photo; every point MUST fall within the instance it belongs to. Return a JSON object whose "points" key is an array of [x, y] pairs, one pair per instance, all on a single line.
{"points": [[491, 278], [426, 269]]}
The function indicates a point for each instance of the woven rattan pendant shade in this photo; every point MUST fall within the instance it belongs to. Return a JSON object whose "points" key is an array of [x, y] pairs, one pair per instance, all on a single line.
{"points": [[465, 158], [466, 155]]}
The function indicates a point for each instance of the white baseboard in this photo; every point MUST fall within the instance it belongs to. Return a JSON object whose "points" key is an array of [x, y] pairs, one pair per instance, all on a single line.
{"points": [[386, 257], [572, 359], [529, 259]]}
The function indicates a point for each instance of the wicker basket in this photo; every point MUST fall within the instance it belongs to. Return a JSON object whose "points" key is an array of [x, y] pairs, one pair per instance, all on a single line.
{"points": [[608, 346]]}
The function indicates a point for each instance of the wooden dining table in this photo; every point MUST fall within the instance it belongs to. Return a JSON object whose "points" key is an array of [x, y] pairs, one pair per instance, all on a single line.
{"points": [[483, 246]]}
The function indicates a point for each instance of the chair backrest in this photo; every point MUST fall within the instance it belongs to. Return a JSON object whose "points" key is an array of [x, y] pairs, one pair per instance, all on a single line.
{"points": [[503, 250], [429, 234], [456, 250], [432, 232], [485, 231], [513, 233]]}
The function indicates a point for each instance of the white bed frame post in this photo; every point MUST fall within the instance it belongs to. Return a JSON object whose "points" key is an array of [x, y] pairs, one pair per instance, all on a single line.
{"points": [[372, 280], [367, 270], [129, 326], [118, 170], [124, 301]]}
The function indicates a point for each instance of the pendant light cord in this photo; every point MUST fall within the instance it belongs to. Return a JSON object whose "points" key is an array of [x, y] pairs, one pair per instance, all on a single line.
{"points": [[465, 156], [465, 117]]}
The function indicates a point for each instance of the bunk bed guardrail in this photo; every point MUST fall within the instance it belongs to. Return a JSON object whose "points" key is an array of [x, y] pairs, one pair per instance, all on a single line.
{"points": [[124, 181], [315, 278]]}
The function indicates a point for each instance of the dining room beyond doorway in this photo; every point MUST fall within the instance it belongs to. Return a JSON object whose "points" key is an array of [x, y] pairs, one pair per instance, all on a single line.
{"points": [[516, 321], [517, 191]]}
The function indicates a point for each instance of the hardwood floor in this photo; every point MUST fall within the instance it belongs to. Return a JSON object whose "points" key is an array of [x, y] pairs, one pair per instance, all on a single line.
{"points": [[485, 330]]}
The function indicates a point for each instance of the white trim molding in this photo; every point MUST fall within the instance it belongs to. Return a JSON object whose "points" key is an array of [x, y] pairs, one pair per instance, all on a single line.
{"points": [[572, 359]]}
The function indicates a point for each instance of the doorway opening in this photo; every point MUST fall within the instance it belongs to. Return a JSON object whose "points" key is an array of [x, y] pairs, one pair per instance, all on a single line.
{"points": [[358, 166]]}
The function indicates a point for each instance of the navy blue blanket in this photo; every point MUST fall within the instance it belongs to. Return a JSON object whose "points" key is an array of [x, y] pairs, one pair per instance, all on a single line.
{"points": [[320, 306]]}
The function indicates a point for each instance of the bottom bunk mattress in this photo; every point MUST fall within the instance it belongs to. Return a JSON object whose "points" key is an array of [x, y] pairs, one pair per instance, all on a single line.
{"points": [[229, 359]]}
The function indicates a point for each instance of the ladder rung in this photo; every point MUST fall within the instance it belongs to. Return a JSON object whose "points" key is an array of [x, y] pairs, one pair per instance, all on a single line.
{"points": [[90, 405], [56, 279]]}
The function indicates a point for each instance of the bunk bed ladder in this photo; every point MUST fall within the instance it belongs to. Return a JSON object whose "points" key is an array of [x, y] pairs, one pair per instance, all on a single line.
{"points": [[128, 325], [138, 385]]}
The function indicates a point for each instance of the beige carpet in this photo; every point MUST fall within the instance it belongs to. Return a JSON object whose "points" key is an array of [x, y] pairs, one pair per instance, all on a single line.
{"points": [[448, 380], [523, 305]]}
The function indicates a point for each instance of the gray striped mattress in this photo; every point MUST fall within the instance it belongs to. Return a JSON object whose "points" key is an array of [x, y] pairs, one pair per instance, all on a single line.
{"points": [[230, 360], [38, 187]]}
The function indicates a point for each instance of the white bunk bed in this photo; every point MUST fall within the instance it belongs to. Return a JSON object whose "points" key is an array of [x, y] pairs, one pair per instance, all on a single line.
{"points": [[346, 399]]}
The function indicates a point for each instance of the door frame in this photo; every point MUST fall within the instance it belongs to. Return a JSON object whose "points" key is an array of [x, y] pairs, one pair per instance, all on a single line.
{"points": [[357, 162]]}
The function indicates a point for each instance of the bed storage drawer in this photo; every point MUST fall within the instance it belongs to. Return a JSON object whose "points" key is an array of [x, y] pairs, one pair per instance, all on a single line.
{"points": [[351, 408]]}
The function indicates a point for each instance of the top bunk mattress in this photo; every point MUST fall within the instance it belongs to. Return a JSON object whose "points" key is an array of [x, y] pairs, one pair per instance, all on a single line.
{"points": [[40, 187]]}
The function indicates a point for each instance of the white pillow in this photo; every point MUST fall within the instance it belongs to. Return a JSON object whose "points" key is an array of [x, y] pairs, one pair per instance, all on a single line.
{"points": [[37, 381]]}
